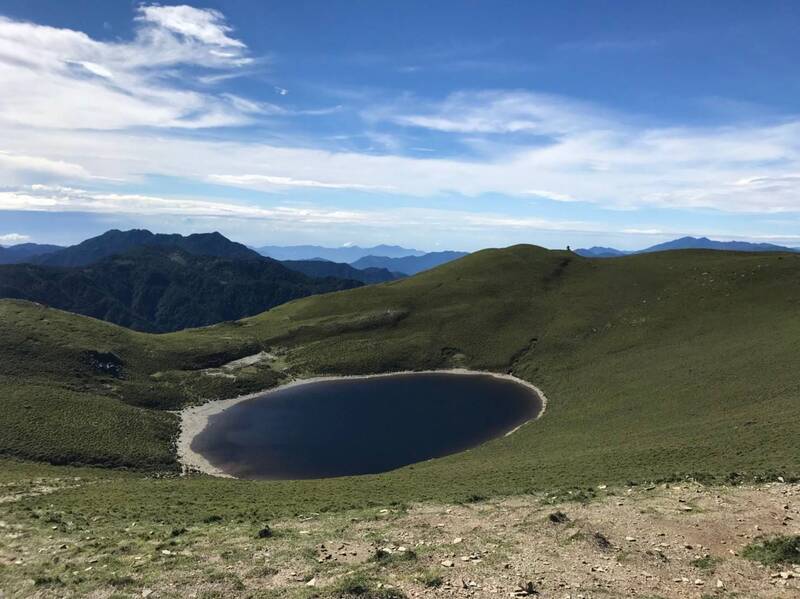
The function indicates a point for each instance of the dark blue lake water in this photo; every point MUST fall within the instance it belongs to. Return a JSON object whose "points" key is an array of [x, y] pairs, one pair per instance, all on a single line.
{"points": [[362, 425]]}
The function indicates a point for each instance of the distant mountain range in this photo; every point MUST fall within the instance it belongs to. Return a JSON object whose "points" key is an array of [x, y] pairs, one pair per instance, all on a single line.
{"points": [[687, 243], [347, 254], [325, 268], [23, 252], [393, 258], [157, 283], [163, 288], [409, 265]]}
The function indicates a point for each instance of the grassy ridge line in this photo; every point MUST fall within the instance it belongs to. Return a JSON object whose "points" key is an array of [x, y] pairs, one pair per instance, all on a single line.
{"points": [[656, 366]]}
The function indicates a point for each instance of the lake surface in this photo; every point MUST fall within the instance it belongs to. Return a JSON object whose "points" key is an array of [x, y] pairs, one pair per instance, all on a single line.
{"points": [[354, 426]]}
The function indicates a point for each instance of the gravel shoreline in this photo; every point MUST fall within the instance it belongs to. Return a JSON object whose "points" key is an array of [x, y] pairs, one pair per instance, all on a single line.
{"points": [[194, 419]]}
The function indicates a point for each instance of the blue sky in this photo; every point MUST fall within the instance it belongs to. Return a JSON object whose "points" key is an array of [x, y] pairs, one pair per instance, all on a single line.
{"points": [[436, 125]]}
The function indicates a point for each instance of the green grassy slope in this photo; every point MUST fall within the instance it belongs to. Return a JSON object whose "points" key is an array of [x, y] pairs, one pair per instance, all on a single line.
{"points": [[656, 366]]}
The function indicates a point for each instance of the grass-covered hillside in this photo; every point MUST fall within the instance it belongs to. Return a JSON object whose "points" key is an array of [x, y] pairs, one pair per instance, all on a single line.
{"points": [[656, 366]]}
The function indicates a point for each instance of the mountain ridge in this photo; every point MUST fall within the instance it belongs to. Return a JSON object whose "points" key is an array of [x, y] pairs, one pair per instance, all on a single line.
{"points": [[687, 243], [164, 288], [325, 268], [344, 254], [409, 265], [23, 252], [116, 241]]}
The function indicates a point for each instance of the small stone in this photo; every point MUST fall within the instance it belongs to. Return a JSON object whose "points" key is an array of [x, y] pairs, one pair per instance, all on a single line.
{"points": [[457, 540], [720, 584], [699, 582], [630, 539], [147, 592], [447, 563], [312, 582]]}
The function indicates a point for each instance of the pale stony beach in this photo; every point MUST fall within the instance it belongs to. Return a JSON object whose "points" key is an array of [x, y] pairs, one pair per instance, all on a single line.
{"points": [[194, 419]]}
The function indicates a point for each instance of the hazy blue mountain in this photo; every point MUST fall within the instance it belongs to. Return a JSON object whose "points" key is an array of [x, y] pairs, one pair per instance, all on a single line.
{"points": [[347, 254], [326, 268], [115, 242], [163, 288], [600, 252], [688, 243], [409, 265], [25, 251]]}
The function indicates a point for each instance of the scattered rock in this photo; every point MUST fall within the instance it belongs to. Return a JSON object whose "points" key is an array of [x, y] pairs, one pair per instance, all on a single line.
{"points": [[601, 541], [447, 563], [265, 532], [526, 590], [558, 517]]}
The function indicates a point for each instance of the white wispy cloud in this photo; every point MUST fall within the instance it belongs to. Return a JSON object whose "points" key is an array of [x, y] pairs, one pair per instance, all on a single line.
{"points": [[550, 195], [61, 78], [13, 238], [622, 167], [11, 165], [54, 198], [205, 25], [498, 112], [273, 181]]}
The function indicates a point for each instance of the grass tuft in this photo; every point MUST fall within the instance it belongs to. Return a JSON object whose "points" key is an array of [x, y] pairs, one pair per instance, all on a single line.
{"points": [[774, 551]]}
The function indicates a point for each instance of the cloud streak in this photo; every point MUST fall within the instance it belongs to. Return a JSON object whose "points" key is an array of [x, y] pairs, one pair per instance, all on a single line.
{"points": [[270, 182]]}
